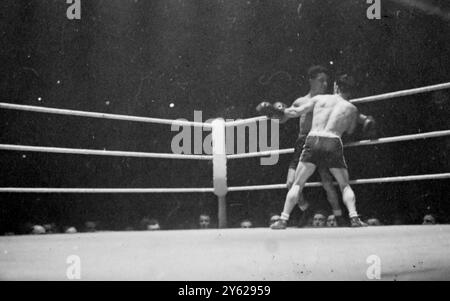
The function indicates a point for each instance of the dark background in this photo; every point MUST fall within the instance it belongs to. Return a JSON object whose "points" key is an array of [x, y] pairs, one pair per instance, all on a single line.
{"points": [[223, 58]]}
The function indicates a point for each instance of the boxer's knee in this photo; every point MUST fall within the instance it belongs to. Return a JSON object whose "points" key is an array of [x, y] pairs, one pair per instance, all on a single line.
{"points": [[329, 188], [325, 175], [290, 178], [294, 193]]}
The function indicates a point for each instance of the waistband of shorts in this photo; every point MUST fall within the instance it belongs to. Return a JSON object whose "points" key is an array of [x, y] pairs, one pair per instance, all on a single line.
{"points": [[323, 134]]}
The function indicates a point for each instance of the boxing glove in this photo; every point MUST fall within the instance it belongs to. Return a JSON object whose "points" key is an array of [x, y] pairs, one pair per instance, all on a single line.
{"points": [[369, 128]]}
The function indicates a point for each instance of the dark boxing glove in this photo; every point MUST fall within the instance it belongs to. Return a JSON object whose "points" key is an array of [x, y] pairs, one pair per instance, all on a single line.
{"points": [[275, 111], [369, 128], [278, 110], [264, 108]]}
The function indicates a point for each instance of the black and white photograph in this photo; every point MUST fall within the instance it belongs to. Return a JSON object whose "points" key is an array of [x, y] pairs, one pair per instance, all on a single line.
{"points": [[234, 142]]}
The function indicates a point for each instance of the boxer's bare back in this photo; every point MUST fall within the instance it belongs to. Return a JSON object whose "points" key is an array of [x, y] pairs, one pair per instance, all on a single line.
{"points": [[330, 113], [333, 114]]}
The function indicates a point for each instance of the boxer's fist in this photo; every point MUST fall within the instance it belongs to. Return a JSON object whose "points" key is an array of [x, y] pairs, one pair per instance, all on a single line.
{"points": [[275, 111], [264, 108], [369, 128], [279, 108]]}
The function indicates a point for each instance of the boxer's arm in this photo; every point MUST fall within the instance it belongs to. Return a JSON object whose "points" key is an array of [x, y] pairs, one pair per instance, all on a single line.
{"points": [[295, 104], [300, 108]]}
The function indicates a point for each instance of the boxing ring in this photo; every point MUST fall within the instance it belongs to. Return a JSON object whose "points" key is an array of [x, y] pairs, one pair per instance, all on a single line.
{"points": [[405, 253]]}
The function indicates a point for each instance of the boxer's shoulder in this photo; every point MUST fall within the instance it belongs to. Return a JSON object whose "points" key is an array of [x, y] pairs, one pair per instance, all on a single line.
{"points": [[299, 101], [325, 97]]}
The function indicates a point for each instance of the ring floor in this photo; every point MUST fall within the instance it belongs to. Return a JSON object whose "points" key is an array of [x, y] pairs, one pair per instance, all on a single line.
{"points": [[404, 253]]}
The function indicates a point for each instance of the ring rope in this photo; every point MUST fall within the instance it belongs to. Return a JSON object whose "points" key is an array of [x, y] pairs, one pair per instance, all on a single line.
{"points": [[434, 134], [362, 100], [76, 151], [206, 157], [401, 93], [354, 182], [353, 144], [246, 121], [105, 190], [10, 106], [200, 124], [207, 190]]}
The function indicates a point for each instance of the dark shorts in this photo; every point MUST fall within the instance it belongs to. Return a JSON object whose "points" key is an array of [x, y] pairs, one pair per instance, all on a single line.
{"points": [[324, 152], [298, 151]]}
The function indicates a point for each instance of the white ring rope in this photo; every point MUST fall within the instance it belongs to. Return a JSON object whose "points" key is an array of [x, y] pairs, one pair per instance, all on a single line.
{"points": [[359, 143], [200, 124], [205, 157], [246, 121], [105, 190], [354, 182], [401, 93], [189, 123], [362, 100], [76, 151], [400, 138], [207, 190], [101, 115], [261, 154]]}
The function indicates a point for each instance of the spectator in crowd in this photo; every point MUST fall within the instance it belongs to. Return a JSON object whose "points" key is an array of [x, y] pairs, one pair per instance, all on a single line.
{"points": [[90, 226], [149, 224], [50, 228], [373, 222], [37, 230], [331, 221], [153, 225], [319, 220], [70, 230], [204, 221], [246, 224], [429, 219]]}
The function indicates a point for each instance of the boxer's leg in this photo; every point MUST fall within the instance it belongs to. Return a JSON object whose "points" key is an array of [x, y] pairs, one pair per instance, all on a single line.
{"points": [[304, 171], [290, 177], [302, 174], [303, 205], [348, 196], [332, 196]]}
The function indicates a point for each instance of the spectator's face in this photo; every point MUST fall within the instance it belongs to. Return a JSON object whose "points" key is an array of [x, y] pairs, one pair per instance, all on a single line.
{"points": [[429, 220], [49, 228], [319, 83], [318, 220], [153, 227], [373, 222], [37, 229], [204, 221], [331, 221], [90, 226], [246, 224]]}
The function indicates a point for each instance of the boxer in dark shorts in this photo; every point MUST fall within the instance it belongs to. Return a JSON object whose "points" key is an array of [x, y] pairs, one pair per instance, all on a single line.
{"points": [[318, 81], [299, 143], [333, 115], [318, 78], [324, 150]]}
